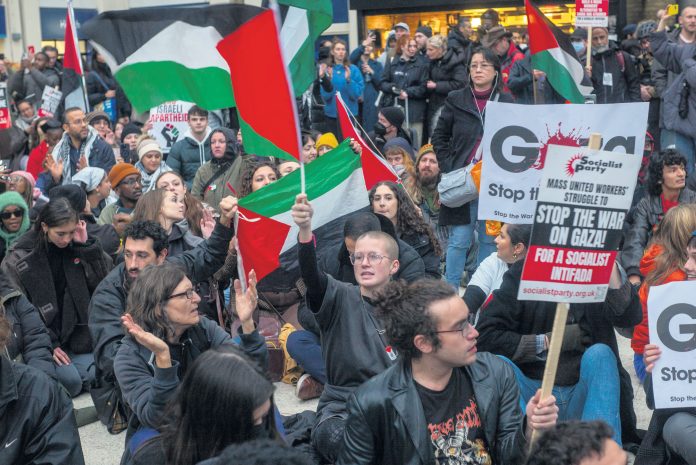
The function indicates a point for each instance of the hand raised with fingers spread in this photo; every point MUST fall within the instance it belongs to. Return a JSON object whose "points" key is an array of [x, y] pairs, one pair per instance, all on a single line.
{"points": [[245, 302], [148, 340]]}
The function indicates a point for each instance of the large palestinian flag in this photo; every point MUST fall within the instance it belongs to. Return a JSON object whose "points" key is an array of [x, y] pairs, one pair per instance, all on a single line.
{"points": [[553, 54], [266, 233]]}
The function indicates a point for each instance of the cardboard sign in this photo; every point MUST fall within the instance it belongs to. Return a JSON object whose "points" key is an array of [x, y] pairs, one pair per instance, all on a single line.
{"points": [[5, 119], [672, 325], [516, 140], [591, 13], [583, 200], [50, 99], [169, 122]]}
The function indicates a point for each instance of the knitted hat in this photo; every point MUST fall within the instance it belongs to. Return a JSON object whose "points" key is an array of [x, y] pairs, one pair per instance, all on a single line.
{"points": [[427, 148], [94, 116], [89, 177], [74, 194], [427, 31], [13, 198], [130, 128], [148, 145], [395, 115], [120, 171], [327, 138], [26, 175], [401, 143]]}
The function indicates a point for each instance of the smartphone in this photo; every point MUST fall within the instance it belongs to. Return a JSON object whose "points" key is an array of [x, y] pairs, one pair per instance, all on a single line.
{"points": [[31, 49], [672, 9]]}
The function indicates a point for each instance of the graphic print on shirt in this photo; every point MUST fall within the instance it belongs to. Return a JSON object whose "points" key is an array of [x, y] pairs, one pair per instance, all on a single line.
{"points": [[452, 442]]}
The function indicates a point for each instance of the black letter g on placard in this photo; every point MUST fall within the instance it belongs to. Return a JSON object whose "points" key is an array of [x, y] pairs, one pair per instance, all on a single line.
{"points": [[687, 329]]}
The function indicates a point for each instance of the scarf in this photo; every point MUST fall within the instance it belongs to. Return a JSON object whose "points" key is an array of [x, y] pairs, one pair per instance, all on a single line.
{"points": [[62, 152], [148, 180], [13, 198]]}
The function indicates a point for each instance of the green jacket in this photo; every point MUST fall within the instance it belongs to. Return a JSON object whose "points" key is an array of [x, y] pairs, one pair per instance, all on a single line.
{"points": [[213, 192]]}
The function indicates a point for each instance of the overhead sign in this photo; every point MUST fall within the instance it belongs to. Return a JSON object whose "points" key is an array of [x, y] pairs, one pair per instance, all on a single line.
{"points": [[672, 325], [169, 123], [516, 140], [592, 13], [583, 200]]}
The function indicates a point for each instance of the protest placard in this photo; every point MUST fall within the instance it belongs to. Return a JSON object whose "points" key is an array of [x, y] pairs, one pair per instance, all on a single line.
{"points": [[583, 200], [50, 99], [591, 13], [672, 325], [5, 119], [169, 122], [516, 139]]}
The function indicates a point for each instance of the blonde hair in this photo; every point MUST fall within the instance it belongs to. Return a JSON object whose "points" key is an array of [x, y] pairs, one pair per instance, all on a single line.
{"points": [[672, 235], [438, 41], [408, 162]]}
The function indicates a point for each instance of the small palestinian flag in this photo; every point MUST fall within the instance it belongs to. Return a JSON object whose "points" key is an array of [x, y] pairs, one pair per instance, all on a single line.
{"points": [[553, 53], [266, 233], [71, 83]]}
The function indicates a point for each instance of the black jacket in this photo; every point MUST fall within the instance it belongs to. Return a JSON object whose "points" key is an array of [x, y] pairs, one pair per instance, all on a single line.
{"points": [[625, 80], [386, 424], [449, 73], [422, 244], [458, 130], [38, 425], [410, 76], [460, 44], [520, 84]]}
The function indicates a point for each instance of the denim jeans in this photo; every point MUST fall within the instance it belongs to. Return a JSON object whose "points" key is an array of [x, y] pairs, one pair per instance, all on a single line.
{"points": [[639, 365], [461, 238], [78, 375], [595, 397], [305, 348], [684, 144]]}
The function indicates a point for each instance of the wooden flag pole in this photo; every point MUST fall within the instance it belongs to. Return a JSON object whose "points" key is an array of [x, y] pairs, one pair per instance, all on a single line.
{"points": [[588, 58], [559, 324]]}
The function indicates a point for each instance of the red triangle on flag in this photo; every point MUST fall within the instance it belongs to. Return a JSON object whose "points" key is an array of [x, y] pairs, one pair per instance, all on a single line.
{"points": [[71, 57], [265, 237]]}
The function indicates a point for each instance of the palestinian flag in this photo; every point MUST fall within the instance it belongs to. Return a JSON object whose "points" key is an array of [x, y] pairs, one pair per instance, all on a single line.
{"points": [[266, 233], [553, 54], [71, 83]]}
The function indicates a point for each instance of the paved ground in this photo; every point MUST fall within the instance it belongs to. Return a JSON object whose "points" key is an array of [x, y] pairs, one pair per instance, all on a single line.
{"points": [[102, 448]]}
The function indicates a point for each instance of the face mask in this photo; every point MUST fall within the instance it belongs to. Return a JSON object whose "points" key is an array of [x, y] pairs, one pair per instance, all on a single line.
{"points": [[380, 129], [578, 46], [523, 46]]}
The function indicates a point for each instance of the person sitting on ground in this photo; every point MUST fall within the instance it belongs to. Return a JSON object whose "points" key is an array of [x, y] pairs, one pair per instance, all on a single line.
{"points": [[192, 150], [196, 424], [589, 371], [97, 185], [126, 182], [222, 175], [665, 189], [52, 132], [442, 402], [38, 421], [101, 122], [390, 200], [512, 244], [309, 145], [399, 153], [325, 143], [577, 443], [344, 312], [286, 167], [197, 218], [260, 452], [14, 214], [129, 143], [58, 267], [24, 184], [150, 163]]}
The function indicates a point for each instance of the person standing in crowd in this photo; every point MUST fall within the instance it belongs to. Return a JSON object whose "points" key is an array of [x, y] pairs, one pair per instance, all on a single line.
{"points": [[666, 188], [578, 40], [489, 20], [344, 78], [127, 184], [459, 39], [14, 214], [150, 163], [614, 76], [29, 81], [456, 140], [644, 66], [577, 443], [79, 147], [224, 170], [404, 84], [371, 70], [389, 125], [27, 116], [57, 266], [325, 143], [391, 201], [522, 79], [97, 185], [102, 86], [101, 122], [677, 83], [309, 146], [447, 73], [423, 33], [442, 402], [38, 420], [498, 40], [191, 152], [53, 61]]}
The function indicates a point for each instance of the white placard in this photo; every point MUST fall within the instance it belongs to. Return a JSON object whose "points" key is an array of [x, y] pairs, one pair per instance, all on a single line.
{"points": [[169, 123]]}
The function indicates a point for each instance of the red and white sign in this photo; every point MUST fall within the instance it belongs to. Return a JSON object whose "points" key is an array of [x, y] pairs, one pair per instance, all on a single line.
{"points": [[583, 200], [591, 13], [5, 119]]}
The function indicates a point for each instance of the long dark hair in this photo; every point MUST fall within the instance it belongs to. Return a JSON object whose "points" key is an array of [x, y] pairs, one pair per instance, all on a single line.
{"points": [[214, 406], [490, 56], [408, 221], [55, 213], [667, 157]]}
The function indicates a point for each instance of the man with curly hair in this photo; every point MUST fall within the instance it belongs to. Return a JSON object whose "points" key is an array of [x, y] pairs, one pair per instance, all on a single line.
{"points": [[577, 443], [442, 402]]}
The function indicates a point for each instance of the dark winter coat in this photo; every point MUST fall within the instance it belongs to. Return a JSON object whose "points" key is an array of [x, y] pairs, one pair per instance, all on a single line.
{"points": [[457, 133], [625, 78], [386, 424], [187, 155], [27, 266], [423, 246], [372, 87], [462, 45], [520, 84], [410, 76], [38, 425], [98, 83], [449, 73]]}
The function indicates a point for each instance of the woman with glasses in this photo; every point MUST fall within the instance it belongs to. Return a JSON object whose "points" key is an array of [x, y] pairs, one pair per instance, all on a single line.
{"points": [[166, 334], [456, 139], [15, 220], [57, 267]]}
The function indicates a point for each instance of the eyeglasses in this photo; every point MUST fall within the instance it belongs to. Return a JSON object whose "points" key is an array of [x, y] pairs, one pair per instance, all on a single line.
{"points": [[372, 258], [130, 182], [15, 179], [188, 293], [8, 215], [483, 66], [465, 329]]}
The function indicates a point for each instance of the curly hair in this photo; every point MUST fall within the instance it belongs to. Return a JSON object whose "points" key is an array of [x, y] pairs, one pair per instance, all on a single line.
{"points": [[408, 220], [667, 157], [139, 230], [248, 176], [404, 309], [570, 443]]}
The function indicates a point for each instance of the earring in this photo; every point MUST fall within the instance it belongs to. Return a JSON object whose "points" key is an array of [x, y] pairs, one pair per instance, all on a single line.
{"points": [[514, 256]]}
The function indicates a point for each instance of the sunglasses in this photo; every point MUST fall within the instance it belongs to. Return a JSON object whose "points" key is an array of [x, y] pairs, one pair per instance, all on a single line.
{"points": [[8, 215]]}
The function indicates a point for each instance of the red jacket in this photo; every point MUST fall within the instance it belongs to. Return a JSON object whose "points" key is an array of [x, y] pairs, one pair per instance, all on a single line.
{"points": [[513, 55], [641, 335], [36, 159]]}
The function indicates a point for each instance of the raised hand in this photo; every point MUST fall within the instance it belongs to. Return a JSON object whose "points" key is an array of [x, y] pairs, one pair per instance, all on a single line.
{"points": [[302, 215], [148, 340], [54, 167], [245, 302], [228, 208]]}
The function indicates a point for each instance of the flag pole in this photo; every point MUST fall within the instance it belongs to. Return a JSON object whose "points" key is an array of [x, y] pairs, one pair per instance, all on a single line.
{"points": [[73, 27]]}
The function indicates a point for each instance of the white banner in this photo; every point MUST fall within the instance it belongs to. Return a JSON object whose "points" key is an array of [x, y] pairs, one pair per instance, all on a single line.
{"points": [[672, 323], [50, 99], [516, 139], [169, 122]]}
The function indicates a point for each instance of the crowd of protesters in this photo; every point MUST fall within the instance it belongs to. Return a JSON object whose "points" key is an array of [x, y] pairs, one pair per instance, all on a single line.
{"points": [[119, 272]]}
